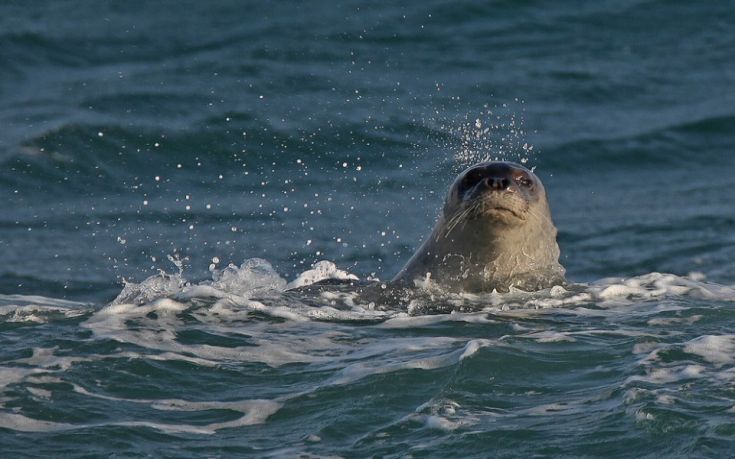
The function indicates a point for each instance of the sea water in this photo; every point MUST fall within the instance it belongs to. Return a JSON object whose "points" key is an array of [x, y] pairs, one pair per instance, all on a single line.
{"points": [[171, 171]]}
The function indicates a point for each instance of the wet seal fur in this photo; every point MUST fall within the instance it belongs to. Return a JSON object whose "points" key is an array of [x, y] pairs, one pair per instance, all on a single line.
{"points": [[495, 232]]}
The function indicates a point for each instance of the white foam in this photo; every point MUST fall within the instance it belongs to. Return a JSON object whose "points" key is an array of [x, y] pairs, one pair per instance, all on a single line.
{"points": [[152, 288], [257, 278], [322, 270], [550, 337], [665, 321], [37, 300], [665, 399], [40, 393], [404, 321], [319, 337], [656, 285], [643, 416], [360, 370], [645, 347], [473, 346], [611, 293], [20, 423], [254, 276], [441, 423], [134, 324], [273, 311], [38, 309], [671, 374], [254, 411], [12, 375], [445, 415], [719, 349]]}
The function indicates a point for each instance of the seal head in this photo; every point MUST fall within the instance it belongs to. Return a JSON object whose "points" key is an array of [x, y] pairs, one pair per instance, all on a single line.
{"points": [[495, 232]]}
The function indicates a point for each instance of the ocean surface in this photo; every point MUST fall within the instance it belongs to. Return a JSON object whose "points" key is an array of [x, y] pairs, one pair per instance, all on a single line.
{"points": [[169, 169]]}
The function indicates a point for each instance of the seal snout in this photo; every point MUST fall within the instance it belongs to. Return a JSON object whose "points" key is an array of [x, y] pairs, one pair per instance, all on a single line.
{"points": [[500, 176], [496, 177], [496, 183]]}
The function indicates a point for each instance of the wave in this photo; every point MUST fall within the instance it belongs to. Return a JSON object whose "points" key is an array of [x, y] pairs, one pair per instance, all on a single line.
{"points": [[693, 142], [612, 351], [256, 277]]}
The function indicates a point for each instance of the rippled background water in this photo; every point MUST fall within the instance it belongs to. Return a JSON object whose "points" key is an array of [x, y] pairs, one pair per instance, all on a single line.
{"points": [[296, 132]]}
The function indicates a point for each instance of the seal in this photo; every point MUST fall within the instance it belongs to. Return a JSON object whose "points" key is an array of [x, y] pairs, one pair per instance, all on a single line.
{"points": [[495, 232]]}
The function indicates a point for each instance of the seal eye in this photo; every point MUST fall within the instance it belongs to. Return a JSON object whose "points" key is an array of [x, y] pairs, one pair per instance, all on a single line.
{"points": [[470, 179], [524, 181]]}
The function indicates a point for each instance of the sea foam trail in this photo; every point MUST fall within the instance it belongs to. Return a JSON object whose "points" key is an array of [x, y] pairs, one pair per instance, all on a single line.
{"points": [[38, 309], [256, 277]]}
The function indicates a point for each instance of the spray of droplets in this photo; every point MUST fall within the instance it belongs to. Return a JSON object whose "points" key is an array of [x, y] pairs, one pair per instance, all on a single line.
{"points": [[495, 133]]}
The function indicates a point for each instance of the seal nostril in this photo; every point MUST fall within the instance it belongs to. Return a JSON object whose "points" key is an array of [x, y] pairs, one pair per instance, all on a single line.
{"points": [[496, 183]]}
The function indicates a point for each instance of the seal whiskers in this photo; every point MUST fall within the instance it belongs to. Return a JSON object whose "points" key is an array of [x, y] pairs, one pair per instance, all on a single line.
{"points": [[460, 217]]}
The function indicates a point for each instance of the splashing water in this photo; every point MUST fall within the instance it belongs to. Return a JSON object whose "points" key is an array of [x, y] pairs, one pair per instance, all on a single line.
{"points": [[495, 133]]}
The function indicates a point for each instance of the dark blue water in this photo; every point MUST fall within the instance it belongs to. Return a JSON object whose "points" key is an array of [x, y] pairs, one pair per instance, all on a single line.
{"points": [[298, 132]]}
